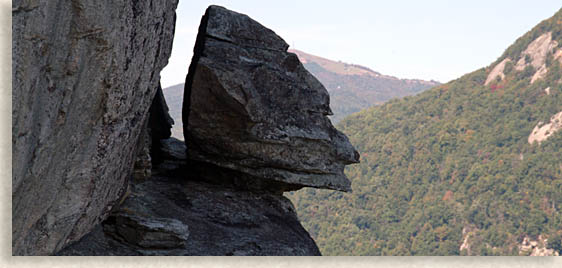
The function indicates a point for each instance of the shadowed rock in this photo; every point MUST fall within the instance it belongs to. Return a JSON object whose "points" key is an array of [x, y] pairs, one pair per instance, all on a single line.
{"points": [[84, 74], [169, 215], [156, 128], [250, 106]]}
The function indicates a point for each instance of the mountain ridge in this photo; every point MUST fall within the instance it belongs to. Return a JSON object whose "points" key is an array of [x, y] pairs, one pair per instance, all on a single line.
{"points": [[350, 68], [354, 87]]}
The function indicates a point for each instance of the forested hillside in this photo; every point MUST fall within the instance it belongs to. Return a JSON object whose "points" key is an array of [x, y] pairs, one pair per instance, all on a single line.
{"points": [[471, 167]]}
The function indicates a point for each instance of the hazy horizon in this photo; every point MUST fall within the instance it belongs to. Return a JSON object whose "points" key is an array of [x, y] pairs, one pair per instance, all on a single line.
{"points": [[434, 40]]}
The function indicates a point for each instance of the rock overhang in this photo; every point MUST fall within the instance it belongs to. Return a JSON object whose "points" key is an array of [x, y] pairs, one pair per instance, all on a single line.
{"points": [[250, 106]]}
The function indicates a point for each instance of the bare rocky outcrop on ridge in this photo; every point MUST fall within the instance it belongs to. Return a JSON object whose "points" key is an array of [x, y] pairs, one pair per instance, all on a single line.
{"points": [[84, 75], [539, 74], [535, 55], [542, 131], [468, 235], [250, 106], [537, 51], [538, 247], [497, 71]]}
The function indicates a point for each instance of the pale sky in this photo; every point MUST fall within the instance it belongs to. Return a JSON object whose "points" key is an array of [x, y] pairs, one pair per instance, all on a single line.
{"points": [[430, 39]]}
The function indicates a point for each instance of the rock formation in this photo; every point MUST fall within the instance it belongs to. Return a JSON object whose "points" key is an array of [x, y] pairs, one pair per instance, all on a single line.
{"points": [[497, 71], [81, 133], [542, 131], [169, 215], [249, 105], [84, 75], [535, 55]]}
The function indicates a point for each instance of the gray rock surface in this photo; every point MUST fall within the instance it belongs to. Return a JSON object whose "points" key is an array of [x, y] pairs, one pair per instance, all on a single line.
{"points": [[143, 161], [173, 215], [250, 106], [84, 74]]}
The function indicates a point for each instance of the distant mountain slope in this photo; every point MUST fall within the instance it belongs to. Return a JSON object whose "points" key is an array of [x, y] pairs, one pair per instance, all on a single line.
{"points": [[351, 87], [472, 167], [174, 99], [354, 87]]}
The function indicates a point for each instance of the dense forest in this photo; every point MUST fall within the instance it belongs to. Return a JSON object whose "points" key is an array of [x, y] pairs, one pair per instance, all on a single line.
{"points": [[450, 171]]}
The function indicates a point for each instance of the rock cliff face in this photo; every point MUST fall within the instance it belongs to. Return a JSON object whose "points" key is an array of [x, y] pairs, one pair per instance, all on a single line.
{"points": [[249, 105], [84, 75], [72, 189]]}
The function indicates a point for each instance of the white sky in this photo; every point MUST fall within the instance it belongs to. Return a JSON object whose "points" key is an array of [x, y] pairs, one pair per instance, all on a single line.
{"points": [[429, 39]]}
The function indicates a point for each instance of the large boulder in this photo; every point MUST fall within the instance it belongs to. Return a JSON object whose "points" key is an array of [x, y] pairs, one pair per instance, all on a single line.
{"points": [[84, 76], [250, 106]]}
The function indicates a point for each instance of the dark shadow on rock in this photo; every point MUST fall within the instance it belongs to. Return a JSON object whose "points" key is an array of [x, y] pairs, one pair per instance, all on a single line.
{"points": [[172, 215]]}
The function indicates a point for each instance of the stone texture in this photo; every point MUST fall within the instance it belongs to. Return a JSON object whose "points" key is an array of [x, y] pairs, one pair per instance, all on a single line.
{"points": [[174, 215], [250, 106], [143, 161], [84, 74], [147, 232]]}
